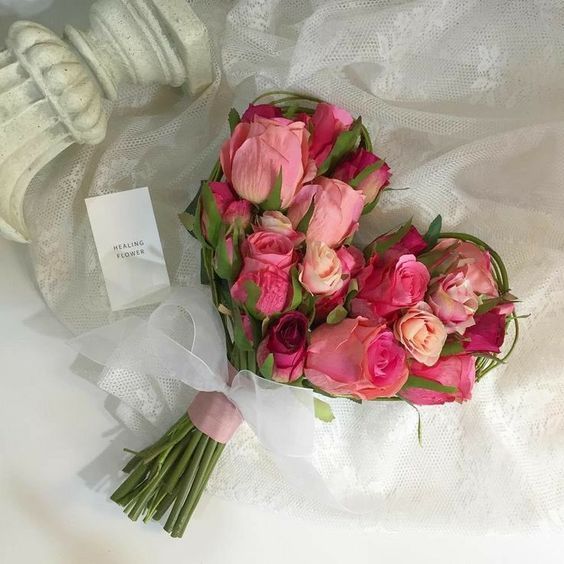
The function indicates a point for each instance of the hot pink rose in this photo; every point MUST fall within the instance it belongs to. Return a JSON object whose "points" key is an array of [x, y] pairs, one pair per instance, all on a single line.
{"points": [[412, 243], [421, 333], [388, 286], [328, 123], [488, 334], [356, 357], [352, 261], [257, 152], [286, 340], [261, 110], [336, 210], [230, 207], [321, 272], [472, 261], [277, 222], [354, 165], [265, 247], [452, 300], [274, 285], [453, 371]]}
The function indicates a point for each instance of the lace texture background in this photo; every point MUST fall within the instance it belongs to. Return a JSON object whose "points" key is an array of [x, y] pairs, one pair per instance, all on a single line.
{"points": [[466, 102]]}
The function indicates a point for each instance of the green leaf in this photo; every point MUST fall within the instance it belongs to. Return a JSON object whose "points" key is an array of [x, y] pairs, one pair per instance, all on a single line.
{"points": [[337, 315], [187, 220], [365, 173], [214, 218], [490, 303], [323, 410], [253, 296], [351, 292], [431, 257], [267, 367], [234, 118], [224, 267], [387, 241], [434, 231], [274, 200], [204, 277], [452, 348], [417, 382], [369, 207], [297, 292], [345, 143], [239, 336], [304, 222]]}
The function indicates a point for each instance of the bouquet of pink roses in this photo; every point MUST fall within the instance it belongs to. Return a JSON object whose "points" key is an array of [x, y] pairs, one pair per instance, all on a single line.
{"points": [[411, 317]]}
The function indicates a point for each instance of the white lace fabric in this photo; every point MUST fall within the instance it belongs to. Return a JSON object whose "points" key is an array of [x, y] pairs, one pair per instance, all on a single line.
{"points": [[465, 100]]}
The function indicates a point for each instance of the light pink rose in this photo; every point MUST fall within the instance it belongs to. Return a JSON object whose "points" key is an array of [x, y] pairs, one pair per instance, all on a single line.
{"points": [[337, 209], [277, 222], [421, 333], [256, 152], [388, 286], [453, 371], [265, 247], [275, 289], [328, 123], [356, 357], [453, 301], [472, 261], [355, 164], [352, 261], [286, 340], [321, 270]]}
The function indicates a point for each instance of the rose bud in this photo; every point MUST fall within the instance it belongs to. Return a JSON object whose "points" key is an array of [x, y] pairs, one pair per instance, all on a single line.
{"points": [[328, 123], [274, 286], [336, 210], [376, 180], [412, 243], [457, 371], [261, 110], [452, 300], [286, 340], [356, 357], [471, 260], [230, 208], [384, 287], [421, 333], [488, 334], [277, 222], [268, 248], [257, 152]]}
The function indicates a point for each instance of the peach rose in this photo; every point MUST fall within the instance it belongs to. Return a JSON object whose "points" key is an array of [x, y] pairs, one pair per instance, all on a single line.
{"points": [[421, 333], [321, 272]]}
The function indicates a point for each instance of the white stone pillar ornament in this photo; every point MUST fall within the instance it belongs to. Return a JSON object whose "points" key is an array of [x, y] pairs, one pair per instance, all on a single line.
{"points": [[52, 89]]}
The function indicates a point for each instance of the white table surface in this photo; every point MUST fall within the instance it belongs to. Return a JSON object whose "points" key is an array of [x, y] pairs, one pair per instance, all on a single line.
{"points": [[58, 444]]}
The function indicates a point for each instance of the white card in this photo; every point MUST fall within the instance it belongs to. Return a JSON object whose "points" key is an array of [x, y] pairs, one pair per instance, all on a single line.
{"points": [[129, 248]]}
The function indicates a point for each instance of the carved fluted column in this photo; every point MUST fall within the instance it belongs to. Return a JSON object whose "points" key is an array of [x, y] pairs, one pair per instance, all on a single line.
{"points": [[52, 89]]}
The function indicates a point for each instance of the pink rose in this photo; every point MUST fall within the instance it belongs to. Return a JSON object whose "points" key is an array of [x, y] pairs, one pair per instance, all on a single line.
{"points": [[453, 371], [352, 261], [274, 285], [328, 123], [265, 247], [336, 210], [452, 300], [356, 357], [488, 334], [388, 286], [257, 152], [277, 222], [321, 270], [354, 165], [412, 243], [230, 208], [261, 110], [286, 340], [472, 261], [421, 333]]}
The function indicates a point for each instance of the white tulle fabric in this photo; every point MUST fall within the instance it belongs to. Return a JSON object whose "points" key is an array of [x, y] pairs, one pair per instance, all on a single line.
{"points": [[466, 102]]}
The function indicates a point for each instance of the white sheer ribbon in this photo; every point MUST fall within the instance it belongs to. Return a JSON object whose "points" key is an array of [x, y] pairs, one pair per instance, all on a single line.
{"points": [[183, 339]]}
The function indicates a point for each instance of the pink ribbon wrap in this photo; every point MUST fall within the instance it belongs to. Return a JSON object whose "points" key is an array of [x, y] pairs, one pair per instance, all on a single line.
{"points": [[213, 414]]}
